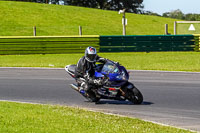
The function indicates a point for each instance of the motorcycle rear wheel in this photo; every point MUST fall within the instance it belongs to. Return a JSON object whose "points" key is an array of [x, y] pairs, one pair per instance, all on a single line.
{"points": [[135, 96]]}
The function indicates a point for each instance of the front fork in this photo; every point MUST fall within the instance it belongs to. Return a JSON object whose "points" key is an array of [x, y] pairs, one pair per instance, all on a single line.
{"points": [[123, 93], [128, 86]]}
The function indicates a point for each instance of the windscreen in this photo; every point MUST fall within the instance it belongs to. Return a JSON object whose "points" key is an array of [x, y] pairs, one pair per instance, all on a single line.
{"points": [[110, 67]]}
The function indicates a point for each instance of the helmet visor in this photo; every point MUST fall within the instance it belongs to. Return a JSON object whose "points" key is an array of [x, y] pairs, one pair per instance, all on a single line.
{"points": [[91, 57]]}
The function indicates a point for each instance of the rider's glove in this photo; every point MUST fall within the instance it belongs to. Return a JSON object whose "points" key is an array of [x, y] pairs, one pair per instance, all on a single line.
{"points": [[98, 82], [117, 62], [86, 76]]}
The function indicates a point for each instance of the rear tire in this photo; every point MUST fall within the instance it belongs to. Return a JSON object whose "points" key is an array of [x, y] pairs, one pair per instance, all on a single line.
{"points": [[134, 96]]}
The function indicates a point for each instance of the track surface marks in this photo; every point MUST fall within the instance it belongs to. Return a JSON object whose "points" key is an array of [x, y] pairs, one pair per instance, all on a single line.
{"points": [[171, 98]]}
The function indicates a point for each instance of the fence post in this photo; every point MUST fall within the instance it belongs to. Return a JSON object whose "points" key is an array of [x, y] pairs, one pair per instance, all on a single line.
{"points": [[166, 29], [174, 27], [34, 31], [124, 23], [80, 30]]}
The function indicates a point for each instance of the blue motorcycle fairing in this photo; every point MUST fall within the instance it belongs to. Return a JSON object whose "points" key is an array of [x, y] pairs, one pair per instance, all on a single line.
{"points": [[113, 71], [122, 68], [112, 76], [98, 75]]}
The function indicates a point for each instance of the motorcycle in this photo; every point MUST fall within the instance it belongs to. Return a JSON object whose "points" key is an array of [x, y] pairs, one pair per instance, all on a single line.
{"points": [[111, 81]]}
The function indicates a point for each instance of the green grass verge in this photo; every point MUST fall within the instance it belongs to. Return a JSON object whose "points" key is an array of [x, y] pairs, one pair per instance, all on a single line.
{"points": [[168, 61], [183, 28], [18, 19], [17, 117]]}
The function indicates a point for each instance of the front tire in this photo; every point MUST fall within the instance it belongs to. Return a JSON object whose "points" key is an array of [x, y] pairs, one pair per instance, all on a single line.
{"points": [[134, 96]]}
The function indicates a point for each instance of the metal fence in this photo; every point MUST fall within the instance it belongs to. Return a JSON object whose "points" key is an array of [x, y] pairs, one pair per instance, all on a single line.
{"points": [[46, 44], [77, 44], [148, 43], [197, 42]]}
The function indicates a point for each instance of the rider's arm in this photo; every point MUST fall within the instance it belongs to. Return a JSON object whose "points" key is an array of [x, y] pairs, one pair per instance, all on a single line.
{"points": [[80, 69], [101, 59]]}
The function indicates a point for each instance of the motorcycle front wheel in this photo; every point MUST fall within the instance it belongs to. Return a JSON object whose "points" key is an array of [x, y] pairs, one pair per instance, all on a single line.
{"points": [[135, 96]]}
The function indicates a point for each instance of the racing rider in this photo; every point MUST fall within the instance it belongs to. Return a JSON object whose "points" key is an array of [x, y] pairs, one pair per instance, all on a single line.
{"points": [[86, 67]]}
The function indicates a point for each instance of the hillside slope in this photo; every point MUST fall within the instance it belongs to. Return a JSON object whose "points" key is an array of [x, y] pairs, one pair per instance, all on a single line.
{"points": [[18, 18]]}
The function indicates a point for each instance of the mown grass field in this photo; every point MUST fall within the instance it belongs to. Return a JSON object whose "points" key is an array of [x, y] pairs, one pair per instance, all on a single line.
{"points": [[21, 118], [167, 61], [18, 19]]}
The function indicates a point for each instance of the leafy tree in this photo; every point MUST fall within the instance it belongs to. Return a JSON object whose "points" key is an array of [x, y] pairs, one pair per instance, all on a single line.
{"points": [[151, 13], [190, 17], [84, 3], [178, 14], [102, 4], [134, 6]]}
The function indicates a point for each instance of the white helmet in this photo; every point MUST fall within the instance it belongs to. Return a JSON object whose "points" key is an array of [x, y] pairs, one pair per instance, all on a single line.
{"points": [[90, 54]]}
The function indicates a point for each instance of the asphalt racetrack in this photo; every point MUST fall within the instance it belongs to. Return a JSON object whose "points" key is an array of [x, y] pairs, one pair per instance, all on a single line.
{"points": [[171, 98]]}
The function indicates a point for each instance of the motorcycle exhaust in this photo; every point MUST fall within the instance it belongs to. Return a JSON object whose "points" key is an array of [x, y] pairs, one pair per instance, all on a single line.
{"points": [[75, 87]]}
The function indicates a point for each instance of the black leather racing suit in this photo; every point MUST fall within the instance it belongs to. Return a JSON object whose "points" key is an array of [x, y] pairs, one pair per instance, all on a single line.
{"points": [[85, 67]]}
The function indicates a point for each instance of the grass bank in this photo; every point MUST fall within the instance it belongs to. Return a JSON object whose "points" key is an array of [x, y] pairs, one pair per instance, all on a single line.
{"points": [[18, 19], [167, 61], [17, 117]]}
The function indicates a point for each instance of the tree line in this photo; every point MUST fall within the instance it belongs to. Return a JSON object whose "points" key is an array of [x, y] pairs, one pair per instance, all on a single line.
{"points": [[177, 14]]}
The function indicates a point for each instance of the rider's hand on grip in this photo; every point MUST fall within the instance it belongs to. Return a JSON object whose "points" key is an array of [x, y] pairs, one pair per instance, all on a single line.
{"points": [[98, 82], [86, 76]]}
